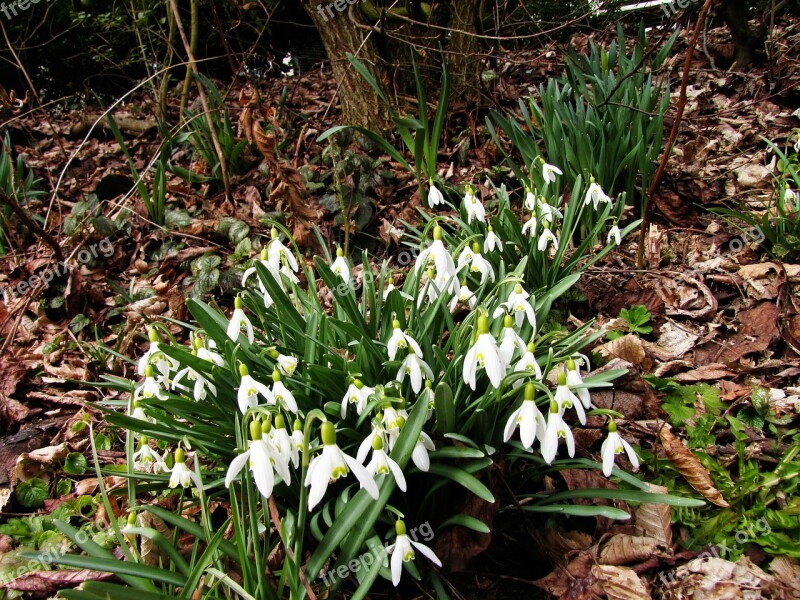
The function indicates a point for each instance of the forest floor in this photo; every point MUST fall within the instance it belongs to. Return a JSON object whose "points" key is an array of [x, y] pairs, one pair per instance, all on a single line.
{"points": [[724, 317]]}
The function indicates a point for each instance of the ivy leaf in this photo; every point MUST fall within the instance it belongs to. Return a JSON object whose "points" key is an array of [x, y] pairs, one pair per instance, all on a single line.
{"points": [[32, 493]]}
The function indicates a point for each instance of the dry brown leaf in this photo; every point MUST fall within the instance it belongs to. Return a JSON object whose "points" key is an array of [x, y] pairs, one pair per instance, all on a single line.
{"points": [[711, 372], [628, 348], [690, 467], [623, 549], [620, 583], [712, 578], [49, 582], [556, 544], [763, 280], [654, 519], [787, 571]]}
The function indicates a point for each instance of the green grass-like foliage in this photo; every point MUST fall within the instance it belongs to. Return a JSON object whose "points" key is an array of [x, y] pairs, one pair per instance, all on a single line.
{"points": [[18, 182], [604, 118]]}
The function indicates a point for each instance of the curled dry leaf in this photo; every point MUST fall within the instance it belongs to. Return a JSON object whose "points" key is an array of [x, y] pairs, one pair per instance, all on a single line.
{"points": [[623, 549], [628, 348], [654, 519], [690, 467], [620, 583], [49, 582]]}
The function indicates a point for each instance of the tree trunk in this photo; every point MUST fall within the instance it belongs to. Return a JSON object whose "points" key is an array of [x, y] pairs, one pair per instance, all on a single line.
{"points": [[360, 104], [746, 39], [465, 62]]}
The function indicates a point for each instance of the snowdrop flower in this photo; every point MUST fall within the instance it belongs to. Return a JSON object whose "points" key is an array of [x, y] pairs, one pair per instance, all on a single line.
{"points": [[464, 257], [555, 429], [530, 199], [403, 551], [182, 475], [548, 212], [613, 445], [207, 354], [340, 267], [492, 241], [287, 365], [575, 383], [528, 364], [138, 413], [790, 196], [272, 270], [518, 305], [435, 197], [566, 399], [377, 430], [442, 261], [297, 442], [282, 441], [510, 341], [279, 255], [383, 464], [545, 238], [200, 383], [614, 234], [146, 459], [419, 455], [388, 290], [478, 264], [281, 393], [239, 320], [465, 296], [549, 172], [416, 368], [473, 206], [357, 394], [249, 389], [150, 387], [163, 363], [263, 461], [484, 353], [399, 339], [528, 418], [333, 464], [529, 227], [393, 421], [595, 195]]}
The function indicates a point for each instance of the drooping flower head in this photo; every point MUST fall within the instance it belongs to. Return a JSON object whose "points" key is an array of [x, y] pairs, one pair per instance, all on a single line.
{"points": [[484, 354], [238, 321], [340, 267], [528, 418], [403, 551], [613, 445]]}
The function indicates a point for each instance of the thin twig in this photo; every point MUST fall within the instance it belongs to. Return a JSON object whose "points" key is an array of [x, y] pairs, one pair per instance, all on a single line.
{"points": [[12, 203], [648, 209], [223, 163]]}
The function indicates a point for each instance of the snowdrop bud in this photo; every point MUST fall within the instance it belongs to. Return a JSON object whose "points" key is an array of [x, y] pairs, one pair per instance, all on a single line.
{"points": [[339, 252], [562, 378], [152, 335], [264, 254], [612, 426], [276, 376], [395, 324], [377, 443], [400, 422], [328, 433], [180, 456], [243, 371], [554, 407], [148, 371], [266, 427], [400, 527], [298, 425], [237, 303], [273, 233], [255, 430], [131, 519], [280, 422], [197, 343], [570, 365], [531, 347], [508, 321], [437, 233]]}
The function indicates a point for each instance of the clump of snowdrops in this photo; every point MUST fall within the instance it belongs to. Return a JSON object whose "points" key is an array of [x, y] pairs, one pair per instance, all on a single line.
{"points": [[328, 413]]}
